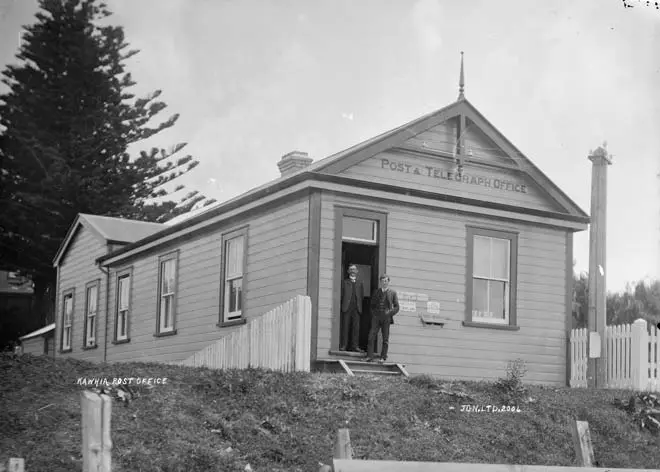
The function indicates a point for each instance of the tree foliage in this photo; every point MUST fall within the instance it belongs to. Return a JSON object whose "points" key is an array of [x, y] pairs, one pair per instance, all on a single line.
{"points": [[66, 124], [638, 300]]}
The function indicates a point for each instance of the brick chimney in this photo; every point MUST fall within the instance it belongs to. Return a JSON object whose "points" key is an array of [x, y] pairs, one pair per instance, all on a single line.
{"points": [[293, 161]]}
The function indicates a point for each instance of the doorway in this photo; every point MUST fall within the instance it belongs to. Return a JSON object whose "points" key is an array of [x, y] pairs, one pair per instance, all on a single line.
{"points": [[365, 257]]}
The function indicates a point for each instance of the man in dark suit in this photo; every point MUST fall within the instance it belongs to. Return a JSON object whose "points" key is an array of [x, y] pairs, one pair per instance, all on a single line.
{"points": [[384, 305], [352, 295]]}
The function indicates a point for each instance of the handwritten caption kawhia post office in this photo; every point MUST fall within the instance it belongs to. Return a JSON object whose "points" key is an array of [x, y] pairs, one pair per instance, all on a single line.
{"points": [[105, 381], [444, 174]]}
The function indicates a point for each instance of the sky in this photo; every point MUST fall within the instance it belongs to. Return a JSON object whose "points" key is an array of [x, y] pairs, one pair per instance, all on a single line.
{"points": [[256, 79]]}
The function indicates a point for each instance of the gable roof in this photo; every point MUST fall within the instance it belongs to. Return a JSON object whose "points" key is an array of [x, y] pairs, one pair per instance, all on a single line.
{"points": [[40, 331], [108, 230], [398, 136], [353, 155]]}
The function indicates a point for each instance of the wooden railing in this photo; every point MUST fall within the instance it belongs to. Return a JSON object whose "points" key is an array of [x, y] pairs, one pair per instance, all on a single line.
{"points": [[343, 460], [278, 340]]}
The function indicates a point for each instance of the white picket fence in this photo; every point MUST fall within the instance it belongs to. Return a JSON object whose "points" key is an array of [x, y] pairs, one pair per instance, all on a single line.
{"points": [[633, 356], [278, 340]]}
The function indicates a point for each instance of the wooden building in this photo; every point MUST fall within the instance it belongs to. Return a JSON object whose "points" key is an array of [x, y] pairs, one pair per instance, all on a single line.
{"points": [[478, 243], [40, 342]]}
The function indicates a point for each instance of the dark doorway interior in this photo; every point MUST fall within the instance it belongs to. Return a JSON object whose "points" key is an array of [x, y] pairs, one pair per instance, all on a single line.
{"points": [[366, 258]]}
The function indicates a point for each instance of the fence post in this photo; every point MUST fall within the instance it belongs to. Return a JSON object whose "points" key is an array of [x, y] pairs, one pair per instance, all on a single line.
{"points": [[16, 464], [639, 359], [96, 412], [584, 451], [343, 449]]}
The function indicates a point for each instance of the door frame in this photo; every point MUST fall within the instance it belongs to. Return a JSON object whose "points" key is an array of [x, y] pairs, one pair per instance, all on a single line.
{"points": [[381, 237]]}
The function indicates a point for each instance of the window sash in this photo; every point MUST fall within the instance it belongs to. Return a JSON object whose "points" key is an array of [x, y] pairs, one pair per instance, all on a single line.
{"points": [[234, 252], [167, 312], [167, 277], [68, 310], [234, 298], [485, 254], [488, 314], [122, 319]]}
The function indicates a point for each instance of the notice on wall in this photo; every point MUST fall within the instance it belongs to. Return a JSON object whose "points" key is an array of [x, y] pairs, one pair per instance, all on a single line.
{"points": [[406, 296], [407, 306], [433, 308], [421, 297]]}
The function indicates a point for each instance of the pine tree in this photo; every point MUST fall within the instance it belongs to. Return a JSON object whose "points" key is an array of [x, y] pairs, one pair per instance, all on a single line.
{"points": [[65, 127]]}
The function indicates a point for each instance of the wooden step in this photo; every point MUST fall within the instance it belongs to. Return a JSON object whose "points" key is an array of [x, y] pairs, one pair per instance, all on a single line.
{"points": [[351, 366], [375, 372]]}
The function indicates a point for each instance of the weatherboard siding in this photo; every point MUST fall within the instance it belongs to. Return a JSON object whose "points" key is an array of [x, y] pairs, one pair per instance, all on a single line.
{"points": [[398, 168], [34, 346], [276, 272], [426, 253], [441, 137], [77, 268]]}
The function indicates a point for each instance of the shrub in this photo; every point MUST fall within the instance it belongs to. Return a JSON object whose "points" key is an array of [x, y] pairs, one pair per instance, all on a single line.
{"points": [[512, 386]]}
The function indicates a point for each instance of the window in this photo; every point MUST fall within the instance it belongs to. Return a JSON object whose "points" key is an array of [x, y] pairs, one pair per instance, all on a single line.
{"points": [[492, 260], [67, 319], [123, 305], [166, 293], [359, 229], [91, 311], [234, 262]]}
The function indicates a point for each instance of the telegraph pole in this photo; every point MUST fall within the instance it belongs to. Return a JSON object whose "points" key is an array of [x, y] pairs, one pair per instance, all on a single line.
{"points": [[597, 367]]}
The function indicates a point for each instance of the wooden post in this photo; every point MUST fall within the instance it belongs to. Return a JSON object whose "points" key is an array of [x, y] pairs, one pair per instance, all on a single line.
{"points": [[96, 412], [343, 448], [584, 451], [639, 358], [16, 464], [597, 368]]}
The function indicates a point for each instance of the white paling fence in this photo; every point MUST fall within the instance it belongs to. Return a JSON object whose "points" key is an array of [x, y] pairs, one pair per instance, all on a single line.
{"points": [[278, 340], [579, 340], [633, 356]]}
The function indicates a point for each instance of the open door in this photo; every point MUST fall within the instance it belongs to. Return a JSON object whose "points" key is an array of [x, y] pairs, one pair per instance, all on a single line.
{"points": [[365, 257]]}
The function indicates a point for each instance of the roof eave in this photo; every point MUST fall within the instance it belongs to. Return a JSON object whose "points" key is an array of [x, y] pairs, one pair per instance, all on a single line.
{"points": [[576, 210], [67, 240], [240, 201]]}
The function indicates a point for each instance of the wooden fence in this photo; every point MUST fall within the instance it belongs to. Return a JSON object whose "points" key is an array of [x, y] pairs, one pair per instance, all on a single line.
{"points": [[278, 340], [633, 356]]}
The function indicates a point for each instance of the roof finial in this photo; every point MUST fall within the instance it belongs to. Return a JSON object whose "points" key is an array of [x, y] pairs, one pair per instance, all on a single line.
{"points": [[461, 82]]}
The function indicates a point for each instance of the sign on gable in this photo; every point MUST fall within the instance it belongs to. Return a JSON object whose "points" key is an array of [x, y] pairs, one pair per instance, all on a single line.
{"points": [[444, 174]]}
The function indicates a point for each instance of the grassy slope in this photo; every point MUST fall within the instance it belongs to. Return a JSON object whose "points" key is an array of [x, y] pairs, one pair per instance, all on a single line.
{"points": [[169, 428]]}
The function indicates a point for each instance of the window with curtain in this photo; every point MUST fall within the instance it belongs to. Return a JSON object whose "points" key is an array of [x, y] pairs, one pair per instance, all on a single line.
{"points": [[491, 278]]}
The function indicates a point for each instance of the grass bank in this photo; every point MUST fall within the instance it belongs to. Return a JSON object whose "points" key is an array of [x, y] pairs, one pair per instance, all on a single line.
{"points": [[203, 420]]}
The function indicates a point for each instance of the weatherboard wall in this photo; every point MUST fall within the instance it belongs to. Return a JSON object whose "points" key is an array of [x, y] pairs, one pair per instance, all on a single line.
{"points": [[36, 346], [427, 253], [276, 272], [77, 268]]}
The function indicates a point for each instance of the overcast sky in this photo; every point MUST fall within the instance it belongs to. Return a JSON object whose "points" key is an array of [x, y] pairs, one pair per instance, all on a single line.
{"points": [[254, 80]]}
